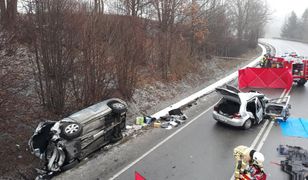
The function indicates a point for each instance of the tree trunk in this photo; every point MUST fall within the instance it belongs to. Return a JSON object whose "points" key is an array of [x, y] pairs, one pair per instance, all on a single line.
{"points": [[8, 11]]}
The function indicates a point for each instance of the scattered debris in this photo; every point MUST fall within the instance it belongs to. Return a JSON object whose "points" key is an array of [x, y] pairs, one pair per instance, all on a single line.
{"points": [[129, 127], [144, 120], [173, 123], [296, 163], [175, 118], [166, 125], [139, 120], [157, 124]]}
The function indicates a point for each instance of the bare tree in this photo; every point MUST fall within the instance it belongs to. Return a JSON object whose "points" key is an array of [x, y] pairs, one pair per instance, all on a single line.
{"points": [[99, 6], [249, 18], [166, 12], [8, 12], [93, 70], [54, 48], [130, 7], [239, 10]]}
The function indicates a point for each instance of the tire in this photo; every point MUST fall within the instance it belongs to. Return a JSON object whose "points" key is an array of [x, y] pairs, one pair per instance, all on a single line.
{"points": [[301, 82], [247, 124], [117, 107], [116, 135], [71, 130]]}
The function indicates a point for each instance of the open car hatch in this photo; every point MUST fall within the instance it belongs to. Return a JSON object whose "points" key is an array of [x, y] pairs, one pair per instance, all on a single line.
{"points": [[229, 94]]}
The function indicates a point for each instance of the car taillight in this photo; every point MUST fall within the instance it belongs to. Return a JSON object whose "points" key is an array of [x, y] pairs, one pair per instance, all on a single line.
{"points": [[237, 115], [216, 108]]}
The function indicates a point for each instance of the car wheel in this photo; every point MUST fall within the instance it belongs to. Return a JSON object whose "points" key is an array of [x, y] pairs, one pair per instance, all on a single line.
{"points": [[247, 124], [71, 130], [301, 82], [117, 107]]}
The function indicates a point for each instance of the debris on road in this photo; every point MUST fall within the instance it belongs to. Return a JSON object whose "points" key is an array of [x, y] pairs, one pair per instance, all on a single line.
{"points": [[144, 120], [140, 120], [157, 124], [175, 118], [131, 129], [296, 162]]}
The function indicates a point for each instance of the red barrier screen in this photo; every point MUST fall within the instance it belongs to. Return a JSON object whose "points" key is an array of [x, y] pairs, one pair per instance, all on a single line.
{"points": [[265, 78]]}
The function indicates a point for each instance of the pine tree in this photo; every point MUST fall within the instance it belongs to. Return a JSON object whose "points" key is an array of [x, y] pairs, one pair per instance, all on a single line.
{"points": [[290, 27], [304, 25]]}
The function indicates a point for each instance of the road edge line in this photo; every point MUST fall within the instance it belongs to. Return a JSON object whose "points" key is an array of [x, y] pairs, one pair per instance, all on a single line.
{"points": [[255, 141], [262, 142], [159, 144]]}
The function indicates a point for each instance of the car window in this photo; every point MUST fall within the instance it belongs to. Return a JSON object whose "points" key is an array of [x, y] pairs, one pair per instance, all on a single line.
{"points": [[258, 105]]}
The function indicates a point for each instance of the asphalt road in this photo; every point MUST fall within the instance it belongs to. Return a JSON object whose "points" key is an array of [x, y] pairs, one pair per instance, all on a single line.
{"points": [[203, 150], [200, 149], [283, 46]]}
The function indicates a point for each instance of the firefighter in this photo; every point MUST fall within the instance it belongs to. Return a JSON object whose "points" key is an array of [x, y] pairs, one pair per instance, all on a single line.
{"points": [[264, 61], [246, 157]]}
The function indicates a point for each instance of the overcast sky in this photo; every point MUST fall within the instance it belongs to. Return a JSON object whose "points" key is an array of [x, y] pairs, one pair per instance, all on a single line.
{"points": [[280, 9]]}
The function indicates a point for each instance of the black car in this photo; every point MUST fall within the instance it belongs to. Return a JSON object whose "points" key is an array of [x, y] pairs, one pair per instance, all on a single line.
{"points": [[64, 143]]}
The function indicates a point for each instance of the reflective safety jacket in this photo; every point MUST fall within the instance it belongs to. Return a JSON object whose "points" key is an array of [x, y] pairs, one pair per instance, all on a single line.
{"points": [[264, 61], [242, 159]]}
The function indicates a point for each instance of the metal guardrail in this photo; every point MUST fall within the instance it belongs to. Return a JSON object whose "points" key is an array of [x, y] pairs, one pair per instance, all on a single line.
{"points": [[190, 99]]}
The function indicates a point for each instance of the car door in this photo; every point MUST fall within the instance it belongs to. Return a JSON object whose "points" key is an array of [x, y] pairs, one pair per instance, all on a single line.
{"points": [[259, 110]]}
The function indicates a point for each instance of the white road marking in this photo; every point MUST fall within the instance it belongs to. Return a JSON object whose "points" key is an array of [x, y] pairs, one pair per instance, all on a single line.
{"points": [[254, 143], [269, 128], [169, 137], [159, 144], [164, 141], [265, 136]]}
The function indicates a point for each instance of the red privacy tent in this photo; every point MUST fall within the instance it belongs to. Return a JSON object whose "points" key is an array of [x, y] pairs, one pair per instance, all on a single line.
{"points": [[265, 78]]}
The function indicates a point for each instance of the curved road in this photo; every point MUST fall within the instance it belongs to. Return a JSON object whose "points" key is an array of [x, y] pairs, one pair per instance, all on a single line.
{"points": [[200, 149]]}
